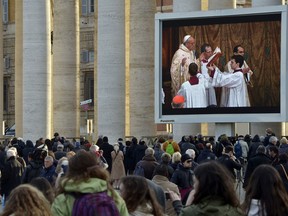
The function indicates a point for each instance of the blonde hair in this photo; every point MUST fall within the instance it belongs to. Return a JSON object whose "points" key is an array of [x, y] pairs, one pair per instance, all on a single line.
{"points": [[27, 200], [176, 157], [70, 154], [283, 141]]}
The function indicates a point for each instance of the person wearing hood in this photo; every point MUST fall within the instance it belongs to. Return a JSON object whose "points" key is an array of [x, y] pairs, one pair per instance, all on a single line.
{"points": [[11, 174], [84, 176]]}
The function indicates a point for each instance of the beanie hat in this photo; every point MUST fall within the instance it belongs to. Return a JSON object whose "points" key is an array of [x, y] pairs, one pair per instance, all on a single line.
{"points": [[185, 157]]}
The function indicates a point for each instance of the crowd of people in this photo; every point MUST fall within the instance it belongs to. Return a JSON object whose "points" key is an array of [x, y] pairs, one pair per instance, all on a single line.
{"points": [[195, 176]]}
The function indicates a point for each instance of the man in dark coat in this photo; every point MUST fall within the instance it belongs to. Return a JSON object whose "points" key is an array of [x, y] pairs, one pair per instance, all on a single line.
{"points": [[229, 161], [11, 174], [259, 159], [107, 149], [148, 163], [49, 170]]}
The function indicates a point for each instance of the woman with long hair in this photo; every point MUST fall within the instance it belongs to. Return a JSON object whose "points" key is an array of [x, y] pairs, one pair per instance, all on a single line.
{"points": [[140, 199], [213, 193], [265, 193], [26, 200], [85, 175]]}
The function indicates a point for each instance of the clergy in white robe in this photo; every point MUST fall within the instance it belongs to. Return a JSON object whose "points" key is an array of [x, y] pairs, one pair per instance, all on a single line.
{"points": [[194, 90], [238, 50], [206, 53], [180, 63], [233, 82]]}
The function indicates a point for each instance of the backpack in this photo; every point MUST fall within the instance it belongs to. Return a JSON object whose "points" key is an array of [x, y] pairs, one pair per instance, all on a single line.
{"points": [[238, 150], [93, 204], [170, 148], [139, 170]]}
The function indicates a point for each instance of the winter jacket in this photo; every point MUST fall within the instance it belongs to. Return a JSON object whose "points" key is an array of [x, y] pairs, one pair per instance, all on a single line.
{"points": [[33, 170], [148, 163], [230, 164], [183, 177], [63, 203], [215, 206], [11, 175], [253, 163]]}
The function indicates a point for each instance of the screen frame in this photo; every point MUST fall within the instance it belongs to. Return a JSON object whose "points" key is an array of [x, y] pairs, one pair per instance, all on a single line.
{"points": [[223, 117]]}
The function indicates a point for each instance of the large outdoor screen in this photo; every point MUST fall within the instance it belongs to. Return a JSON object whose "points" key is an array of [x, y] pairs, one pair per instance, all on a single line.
{"points": [[262, 32]]}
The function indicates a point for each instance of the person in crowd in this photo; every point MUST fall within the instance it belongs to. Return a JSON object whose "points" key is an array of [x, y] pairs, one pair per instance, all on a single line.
{"points": [[181, 60], [186, 144], [194, 89], [26, 200], [166, 160], [161, 178], [35, 165], [206, 53], [192, 154], [206, 154], [29, 147], [183, 176], [176, 159], [170, 146], [130, 155], [12, 173], [213, 193], [148, 163], [234, 83], [254, 145], [282, 168], [229, 161], [129, 159], [49, 170], [265, 193], [85, 175], [139, 198], [18, 158], [158, 152], [283, 148], [254, 162], [118, 170], [272, 142], [274, 155], [140, 151], [60, 152], [43, 185], [61, 170], [99, 153], [268, 133], [107, 149], [121, 145], [244, 147]]}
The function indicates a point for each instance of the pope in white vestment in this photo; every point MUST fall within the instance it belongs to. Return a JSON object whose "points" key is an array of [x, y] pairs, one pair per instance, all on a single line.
{"points": [[180, 63]]}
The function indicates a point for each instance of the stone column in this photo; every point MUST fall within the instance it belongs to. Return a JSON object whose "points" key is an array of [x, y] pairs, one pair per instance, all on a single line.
{"points": [[186, 5], [221, 4], [141, 65], [259, 3], [33, 69], [66, 68], [111, 69], [186, 129], [1, 72], [259, 128]]}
